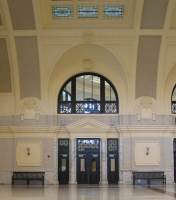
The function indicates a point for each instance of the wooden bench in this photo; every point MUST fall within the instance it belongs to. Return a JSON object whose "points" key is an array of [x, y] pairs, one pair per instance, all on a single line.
{"points": [[28, 176], [148, 176]]}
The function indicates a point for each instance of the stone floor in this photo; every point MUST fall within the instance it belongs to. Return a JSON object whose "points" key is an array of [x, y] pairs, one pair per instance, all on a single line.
{"points": [[87, 192]]}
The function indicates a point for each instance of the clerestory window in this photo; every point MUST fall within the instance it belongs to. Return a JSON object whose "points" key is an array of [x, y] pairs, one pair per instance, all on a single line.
{"points": [[88, 93]]}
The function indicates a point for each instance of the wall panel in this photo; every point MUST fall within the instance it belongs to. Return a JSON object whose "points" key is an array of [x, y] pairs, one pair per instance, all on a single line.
{"points": [[22, 14], [6, 155], [147, 65], [5, 79], [29, 69], [154, 12]]}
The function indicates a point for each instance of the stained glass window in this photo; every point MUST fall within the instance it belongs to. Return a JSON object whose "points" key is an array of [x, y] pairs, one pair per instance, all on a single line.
{"points": [[88, 93], [65, 10], [86, 144], [62, 11], [87, 11], [113, 11], [173, 101], [112, 145]]}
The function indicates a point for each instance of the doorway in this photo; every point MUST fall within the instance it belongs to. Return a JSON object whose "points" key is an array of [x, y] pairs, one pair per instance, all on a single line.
{"points": [[63, 161], [174, 149], [113, 160], [88, 160]]}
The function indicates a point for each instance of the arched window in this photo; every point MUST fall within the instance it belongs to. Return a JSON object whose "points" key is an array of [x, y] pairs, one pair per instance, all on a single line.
{"points": [[173, 101], [88, 93]]}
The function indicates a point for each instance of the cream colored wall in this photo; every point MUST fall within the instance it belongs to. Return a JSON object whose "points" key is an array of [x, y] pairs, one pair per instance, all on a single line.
{"points": [[72, 62], [119, 68], [109, 48], [63, 61], [61, 56], [7, 104], [166, 74]]}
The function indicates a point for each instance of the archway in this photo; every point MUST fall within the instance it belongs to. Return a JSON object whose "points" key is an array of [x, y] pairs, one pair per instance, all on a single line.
{"points": [[87, 58]]}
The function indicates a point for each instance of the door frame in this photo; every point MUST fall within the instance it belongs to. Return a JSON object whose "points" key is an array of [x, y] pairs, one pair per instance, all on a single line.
{"points": [[88, 155]]}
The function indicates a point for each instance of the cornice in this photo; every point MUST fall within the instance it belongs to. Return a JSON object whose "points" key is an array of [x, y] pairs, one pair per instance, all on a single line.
{"points": [[33, 129]]}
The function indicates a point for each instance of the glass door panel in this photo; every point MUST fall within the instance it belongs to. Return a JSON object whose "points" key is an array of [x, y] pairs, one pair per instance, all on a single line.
{"points": [[88, 161]]}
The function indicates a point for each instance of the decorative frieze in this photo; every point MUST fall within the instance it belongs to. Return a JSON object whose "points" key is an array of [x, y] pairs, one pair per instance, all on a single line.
{"points": [[112, 120]]}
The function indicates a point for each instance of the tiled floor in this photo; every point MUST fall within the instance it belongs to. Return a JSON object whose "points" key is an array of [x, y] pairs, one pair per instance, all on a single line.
{"points": [[87, 192]]}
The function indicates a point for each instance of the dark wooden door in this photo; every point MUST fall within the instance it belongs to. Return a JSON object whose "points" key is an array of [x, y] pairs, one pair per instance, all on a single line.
{"points": [[88, 161], [93, 169], [63, 161], [113, 160], [174, 149]]}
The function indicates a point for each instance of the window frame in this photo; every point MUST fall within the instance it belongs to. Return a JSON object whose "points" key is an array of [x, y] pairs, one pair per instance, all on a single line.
{"points": [[173, 102], [102, 100]]}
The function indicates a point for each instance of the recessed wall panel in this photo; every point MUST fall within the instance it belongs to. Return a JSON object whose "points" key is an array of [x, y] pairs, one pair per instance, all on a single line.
{"points": [[147, 65], [22, 14], [38, 154], [147, 153], [5, 80], [29, 154], [29, 69], [6, 154], [0, 21], [154, 13]]}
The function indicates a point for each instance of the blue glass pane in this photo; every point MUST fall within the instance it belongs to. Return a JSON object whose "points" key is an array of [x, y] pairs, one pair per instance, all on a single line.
{"points": [[114, 11], [61, 11], [88, 11], [88, 107]]}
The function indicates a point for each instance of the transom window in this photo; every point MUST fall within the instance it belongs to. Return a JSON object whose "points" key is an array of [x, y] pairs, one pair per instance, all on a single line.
{"points": [[88, 93], [173, 100]]}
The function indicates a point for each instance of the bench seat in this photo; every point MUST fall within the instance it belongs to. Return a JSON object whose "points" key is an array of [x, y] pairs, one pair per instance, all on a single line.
{"points": [[28, 176], [149, 176]]}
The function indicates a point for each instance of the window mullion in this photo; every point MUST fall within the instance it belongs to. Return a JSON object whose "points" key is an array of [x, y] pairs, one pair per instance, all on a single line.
{"points": [[92, 88], [102, 95], [73, 89], [83, 88]]}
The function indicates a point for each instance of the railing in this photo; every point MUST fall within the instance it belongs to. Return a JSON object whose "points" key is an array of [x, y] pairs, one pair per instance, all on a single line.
{"points": [[174, 107], [62, 120], [88, 107]]}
